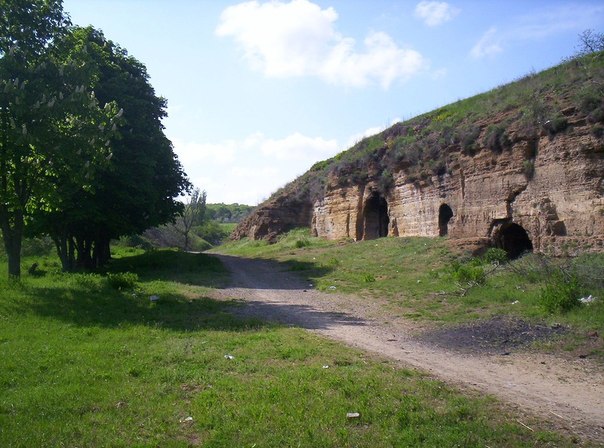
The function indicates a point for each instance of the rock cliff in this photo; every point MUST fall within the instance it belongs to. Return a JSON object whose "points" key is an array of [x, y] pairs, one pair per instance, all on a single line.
{"points": [[521, 167]]}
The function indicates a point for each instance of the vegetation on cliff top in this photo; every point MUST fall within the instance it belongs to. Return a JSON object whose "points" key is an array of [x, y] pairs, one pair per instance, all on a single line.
{"points": [[537, 104]]}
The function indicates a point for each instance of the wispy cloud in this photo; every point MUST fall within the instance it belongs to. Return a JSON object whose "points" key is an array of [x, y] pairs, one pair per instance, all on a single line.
{"points": [[539, 25], [299, 38], [487, 45], [435, 13]]}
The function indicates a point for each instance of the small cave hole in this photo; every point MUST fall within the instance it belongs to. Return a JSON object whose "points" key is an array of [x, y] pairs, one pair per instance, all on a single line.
{"points": [[445, 213], [376, 218], [514, 240]]}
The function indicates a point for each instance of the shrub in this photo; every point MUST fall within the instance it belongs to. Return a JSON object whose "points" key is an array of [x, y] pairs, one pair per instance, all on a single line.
{"points": [[596, 116], [556, 125], [561, 293], [597, 131], [528, 166], [468, 139], [368, 278], [494, 255], [302, 243], [385, 182], [469, 273], [122, 280], [496, 139]]}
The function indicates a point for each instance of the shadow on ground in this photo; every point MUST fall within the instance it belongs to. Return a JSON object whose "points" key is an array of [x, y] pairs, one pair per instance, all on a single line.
{"points": [[270, 274], [103, 306], [302, 316], [170, 265]]}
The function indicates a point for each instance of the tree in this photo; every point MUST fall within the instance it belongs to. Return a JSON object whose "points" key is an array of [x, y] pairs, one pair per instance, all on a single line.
{"points": [[192, 215], [137, 188], [590, 42], [51, 126]]}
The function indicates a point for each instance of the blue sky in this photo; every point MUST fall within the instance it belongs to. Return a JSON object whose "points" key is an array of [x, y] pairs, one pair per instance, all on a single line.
{"points": [[258, 91]]}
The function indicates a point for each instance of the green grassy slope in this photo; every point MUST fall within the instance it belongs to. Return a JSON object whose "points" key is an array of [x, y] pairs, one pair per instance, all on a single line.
{"points": [[86, 364]]}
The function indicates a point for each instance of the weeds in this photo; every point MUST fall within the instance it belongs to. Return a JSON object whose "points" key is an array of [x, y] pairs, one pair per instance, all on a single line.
{"points": [[561, 293], [122, 280]]}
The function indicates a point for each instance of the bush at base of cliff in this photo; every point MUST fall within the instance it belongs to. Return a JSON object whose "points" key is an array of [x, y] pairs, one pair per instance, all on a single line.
{"points": [[561, 293]]}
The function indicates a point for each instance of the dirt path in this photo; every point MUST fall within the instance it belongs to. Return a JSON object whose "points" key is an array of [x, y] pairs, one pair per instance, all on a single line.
{"points": [[568, 394]]}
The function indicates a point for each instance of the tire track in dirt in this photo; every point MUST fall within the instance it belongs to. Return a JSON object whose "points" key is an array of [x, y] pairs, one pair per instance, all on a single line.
{"points": [[567, 394]]}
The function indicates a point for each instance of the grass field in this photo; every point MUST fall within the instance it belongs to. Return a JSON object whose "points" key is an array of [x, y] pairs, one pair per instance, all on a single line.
{"points": [[85, 363], [418, 278]]}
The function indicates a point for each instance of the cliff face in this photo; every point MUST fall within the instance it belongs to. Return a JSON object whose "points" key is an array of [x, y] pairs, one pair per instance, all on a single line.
{"points": [[510, 179], [553, 203]]}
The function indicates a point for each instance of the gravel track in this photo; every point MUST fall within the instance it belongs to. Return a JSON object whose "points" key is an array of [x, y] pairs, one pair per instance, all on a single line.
{"points": [[567, 394]]}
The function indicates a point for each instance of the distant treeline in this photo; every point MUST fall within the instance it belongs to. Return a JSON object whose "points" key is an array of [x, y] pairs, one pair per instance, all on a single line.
{"points": [[232, 213]]}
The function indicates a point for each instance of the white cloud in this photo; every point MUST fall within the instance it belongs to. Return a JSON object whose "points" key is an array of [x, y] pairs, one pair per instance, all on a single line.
{"points": [[299, 147], [299, 39], [191, 152], [249, 169], [435, 13], [488, 45]]}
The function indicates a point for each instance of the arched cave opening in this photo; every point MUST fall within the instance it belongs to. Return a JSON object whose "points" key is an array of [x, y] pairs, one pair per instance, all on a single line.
{"points": [[376, 218], [445, 213], [514, 240]]}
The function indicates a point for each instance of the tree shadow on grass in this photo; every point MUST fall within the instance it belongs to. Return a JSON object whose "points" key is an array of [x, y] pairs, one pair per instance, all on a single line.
{"points": [[170, 265], [91, 305]]}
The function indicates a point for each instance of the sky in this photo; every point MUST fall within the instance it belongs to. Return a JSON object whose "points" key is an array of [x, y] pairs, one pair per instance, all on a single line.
{"points": [[258, 91]]}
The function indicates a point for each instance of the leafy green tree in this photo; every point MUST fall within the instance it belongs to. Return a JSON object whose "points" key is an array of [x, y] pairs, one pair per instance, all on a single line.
{"points": [[192, 215], [51, 126], [138, 186]]}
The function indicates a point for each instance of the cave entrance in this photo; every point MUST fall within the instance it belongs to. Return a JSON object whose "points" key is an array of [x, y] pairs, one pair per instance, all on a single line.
{"points": [[376, 218], [514, 240], [444, 216]]}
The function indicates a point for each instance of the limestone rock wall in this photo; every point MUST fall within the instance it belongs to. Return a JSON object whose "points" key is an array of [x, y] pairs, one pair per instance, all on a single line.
{"points": [[559, 204]]}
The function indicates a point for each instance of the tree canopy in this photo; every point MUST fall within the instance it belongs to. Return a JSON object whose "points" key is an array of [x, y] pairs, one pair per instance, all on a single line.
{"points": [[83, 155]]}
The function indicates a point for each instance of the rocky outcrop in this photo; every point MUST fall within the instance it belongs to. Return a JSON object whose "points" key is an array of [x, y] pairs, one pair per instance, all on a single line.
{"points": [[556, 199], [273, 218], [540, 189]]}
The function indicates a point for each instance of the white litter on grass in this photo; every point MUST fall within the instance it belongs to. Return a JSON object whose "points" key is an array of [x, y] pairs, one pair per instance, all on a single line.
{"points": [[353, 415], [332, 288], [587, 300], [154, 298], [326, 367], [186, 419], [515, 302], [229, 357]]}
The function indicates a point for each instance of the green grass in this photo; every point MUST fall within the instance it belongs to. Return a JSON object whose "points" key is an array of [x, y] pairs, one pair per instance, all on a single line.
{"points": [[416, 277], [86, 364]]}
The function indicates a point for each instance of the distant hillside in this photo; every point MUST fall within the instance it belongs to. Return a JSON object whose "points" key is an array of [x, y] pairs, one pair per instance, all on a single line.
{"points": [[485, 158]]}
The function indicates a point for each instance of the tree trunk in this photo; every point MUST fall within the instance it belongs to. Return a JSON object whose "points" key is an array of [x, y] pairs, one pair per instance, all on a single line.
{"points": [[13, 238], [13, 251]]}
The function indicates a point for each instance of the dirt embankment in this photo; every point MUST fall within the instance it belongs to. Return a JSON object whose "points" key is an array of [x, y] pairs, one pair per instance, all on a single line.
{"points": [[568, 394]]}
